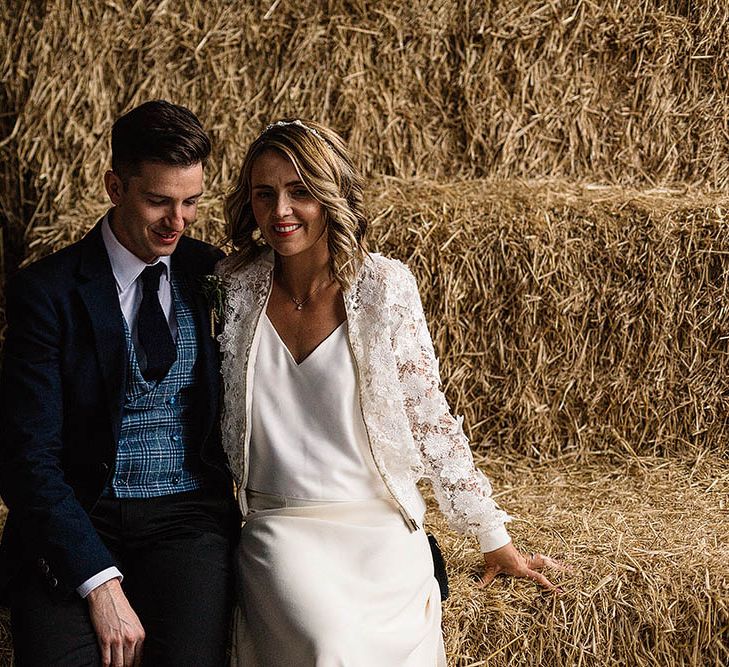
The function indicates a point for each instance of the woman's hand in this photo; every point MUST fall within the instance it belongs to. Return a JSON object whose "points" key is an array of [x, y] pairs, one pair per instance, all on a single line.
{"points": [[508, 560]]}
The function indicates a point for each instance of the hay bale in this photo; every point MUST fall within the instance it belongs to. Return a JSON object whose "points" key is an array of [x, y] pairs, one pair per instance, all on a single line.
{"points": [[572, 319], [648, 541], [568, 319], [624, 93], [18, 24]]}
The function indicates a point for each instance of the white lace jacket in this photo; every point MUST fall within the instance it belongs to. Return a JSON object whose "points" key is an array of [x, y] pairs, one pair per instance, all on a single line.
{"points": [[411, 431]]}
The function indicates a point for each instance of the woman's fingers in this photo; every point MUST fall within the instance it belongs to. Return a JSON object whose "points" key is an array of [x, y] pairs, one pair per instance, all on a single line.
{"points": [[540, 561], [543, 581], [489, 574], [508, 560]]}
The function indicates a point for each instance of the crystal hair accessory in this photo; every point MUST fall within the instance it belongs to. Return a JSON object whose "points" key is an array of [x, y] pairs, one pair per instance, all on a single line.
{"points": [[297, 122]]}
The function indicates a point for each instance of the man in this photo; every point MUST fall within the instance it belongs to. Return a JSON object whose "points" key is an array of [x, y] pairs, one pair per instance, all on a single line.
{"points": [[117, 543]]}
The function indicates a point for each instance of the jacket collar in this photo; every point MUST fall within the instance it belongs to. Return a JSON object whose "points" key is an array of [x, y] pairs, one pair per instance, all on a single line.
{"points": [[125, 265]]}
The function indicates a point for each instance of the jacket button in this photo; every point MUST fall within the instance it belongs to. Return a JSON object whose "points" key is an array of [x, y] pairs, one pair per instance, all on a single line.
{"points": [[45, 569], [104, 467], [41, 562], [53, 582]]}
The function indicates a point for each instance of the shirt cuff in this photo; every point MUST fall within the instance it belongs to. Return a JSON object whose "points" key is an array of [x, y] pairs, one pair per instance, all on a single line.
{"points": [[101, 578], [494, 540]]}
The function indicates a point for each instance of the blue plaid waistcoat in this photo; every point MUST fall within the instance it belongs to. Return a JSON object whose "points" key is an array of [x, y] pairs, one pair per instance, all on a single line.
{"points": [[154, 454]]}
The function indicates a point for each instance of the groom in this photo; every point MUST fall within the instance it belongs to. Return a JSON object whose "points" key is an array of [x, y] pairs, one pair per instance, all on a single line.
{"points": [[121, 515]]}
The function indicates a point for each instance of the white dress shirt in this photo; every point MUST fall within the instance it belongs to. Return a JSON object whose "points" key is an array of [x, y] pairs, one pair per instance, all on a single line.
{"points": [[127, 268]]}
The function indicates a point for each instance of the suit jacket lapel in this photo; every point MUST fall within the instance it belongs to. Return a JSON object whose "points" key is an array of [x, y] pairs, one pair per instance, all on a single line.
{"points": [[97, 289], [208, 363]]}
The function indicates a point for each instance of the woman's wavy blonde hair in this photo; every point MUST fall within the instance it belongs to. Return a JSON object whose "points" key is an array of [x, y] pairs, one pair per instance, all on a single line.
{"points": [[324, 166]]}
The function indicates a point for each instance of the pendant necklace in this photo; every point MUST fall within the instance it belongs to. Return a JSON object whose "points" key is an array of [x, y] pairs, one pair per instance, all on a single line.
{"points": [[301, 302]]}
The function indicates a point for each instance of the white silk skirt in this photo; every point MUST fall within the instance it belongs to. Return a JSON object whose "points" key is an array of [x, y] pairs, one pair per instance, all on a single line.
{"points": [[341, 584]]}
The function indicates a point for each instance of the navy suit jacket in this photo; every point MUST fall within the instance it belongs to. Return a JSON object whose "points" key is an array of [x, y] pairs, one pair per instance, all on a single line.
{"points": [[62, 392]]}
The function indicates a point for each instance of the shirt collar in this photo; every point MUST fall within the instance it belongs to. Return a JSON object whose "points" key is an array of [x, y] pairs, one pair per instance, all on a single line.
{"points": [[125, 265]]}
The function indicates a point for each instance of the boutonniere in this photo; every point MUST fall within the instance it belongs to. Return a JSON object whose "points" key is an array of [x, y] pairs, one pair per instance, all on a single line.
{"points": [[213, 288]]}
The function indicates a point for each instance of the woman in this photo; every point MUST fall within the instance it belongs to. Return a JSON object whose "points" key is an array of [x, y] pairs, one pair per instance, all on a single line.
{"points": [[333, 411]]}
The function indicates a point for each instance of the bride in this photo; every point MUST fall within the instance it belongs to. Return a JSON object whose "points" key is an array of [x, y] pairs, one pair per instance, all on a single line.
{"points": [[333, 411]]}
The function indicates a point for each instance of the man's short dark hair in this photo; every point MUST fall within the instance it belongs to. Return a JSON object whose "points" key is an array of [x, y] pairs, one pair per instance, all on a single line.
{"points": [[157, 131]]}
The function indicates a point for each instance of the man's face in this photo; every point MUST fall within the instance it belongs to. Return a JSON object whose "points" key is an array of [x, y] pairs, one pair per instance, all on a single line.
{"points": [[151, 212]]}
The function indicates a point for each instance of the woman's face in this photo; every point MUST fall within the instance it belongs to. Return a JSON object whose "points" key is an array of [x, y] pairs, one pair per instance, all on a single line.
{"points": [[290, 219]]}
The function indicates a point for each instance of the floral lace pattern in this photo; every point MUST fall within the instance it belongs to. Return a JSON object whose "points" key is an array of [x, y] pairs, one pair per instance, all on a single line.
{"points": [[411, 431], [246, 293]]}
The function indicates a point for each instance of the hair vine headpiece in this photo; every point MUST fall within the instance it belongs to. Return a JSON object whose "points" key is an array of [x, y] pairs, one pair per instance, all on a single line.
{"points": [[297, 122]]}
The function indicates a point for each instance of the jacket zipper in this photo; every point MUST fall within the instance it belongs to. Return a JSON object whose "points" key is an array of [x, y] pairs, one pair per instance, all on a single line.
{"points": [[247, 430], [411, 523]]}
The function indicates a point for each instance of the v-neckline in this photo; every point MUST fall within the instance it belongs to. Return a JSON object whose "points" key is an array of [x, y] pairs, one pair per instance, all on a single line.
{"points": [[298, 364]]}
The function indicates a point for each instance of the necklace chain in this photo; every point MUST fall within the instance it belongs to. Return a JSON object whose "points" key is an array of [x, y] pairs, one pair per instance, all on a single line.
{"points": [[301, 302]]}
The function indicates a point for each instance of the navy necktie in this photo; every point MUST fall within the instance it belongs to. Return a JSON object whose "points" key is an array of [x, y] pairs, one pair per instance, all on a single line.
{"points": [[152, 327]]}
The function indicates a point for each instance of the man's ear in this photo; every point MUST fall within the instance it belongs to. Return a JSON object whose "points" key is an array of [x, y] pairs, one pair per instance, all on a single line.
{"points": [[114, 186]]}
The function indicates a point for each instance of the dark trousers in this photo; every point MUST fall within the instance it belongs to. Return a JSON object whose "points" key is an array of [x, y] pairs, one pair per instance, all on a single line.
{"points": [[175, 555]]}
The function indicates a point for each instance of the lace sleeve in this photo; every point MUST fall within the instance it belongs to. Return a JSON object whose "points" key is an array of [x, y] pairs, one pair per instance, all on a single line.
{"points": [[463, 492]]}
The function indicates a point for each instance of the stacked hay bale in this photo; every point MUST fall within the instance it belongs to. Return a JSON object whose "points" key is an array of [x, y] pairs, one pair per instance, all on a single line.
{"points": [[583, 329], [629, 93]]}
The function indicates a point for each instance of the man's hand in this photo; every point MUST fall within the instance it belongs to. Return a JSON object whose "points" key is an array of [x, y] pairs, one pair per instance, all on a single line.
{"points": [[508, 560], [117, 627]]}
